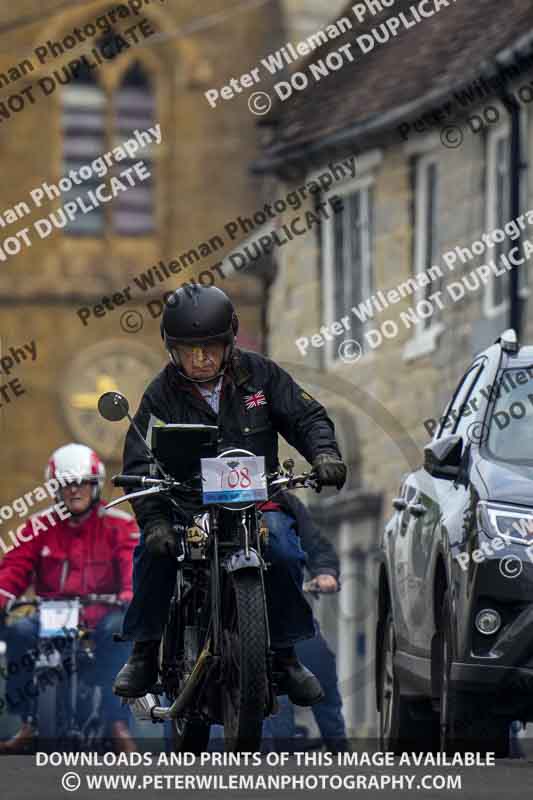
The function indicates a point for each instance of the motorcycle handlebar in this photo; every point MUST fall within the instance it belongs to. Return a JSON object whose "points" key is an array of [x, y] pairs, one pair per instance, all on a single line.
{"points": [[22, 601], [140, 481], [307, 479], [90, 599], [102, 599], [127, 481]]}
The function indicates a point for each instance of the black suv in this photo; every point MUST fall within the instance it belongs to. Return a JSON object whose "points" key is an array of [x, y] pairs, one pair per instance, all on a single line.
{"points": [[454, 638]]}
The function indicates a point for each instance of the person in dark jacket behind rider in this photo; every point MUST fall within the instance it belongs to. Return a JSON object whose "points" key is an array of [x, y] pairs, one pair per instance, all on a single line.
{"points": [[251, 399], [323, 568]]}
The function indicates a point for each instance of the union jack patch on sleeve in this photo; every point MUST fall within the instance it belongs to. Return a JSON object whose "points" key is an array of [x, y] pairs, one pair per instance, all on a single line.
{"points": [[256, 399]]}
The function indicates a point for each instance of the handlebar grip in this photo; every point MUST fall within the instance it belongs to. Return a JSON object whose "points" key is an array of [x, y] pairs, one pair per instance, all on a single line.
{"points": [[11, 605], [105, 599], [125, 481]]}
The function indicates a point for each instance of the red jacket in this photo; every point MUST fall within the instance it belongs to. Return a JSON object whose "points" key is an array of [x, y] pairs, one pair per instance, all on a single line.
{"points": [[64, 560]]}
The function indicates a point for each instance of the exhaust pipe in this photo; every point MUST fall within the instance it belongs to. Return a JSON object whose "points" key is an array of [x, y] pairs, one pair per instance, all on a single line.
{"points": [[148, 708], [182, 701], [142, 707]]}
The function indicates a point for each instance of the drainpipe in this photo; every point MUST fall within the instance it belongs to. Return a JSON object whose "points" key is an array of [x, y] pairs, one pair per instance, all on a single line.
{"points": [[515, 303], [516, 166]]}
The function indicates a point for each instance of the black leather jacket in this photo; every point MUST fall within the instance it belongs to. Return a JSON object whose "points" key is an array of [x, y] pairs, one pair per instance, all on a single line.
{"points": [[280, 407]]}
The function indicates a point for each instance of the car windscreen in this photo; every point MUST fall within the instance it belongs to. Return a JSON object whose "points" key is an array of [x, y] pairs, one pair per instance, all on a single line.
{"points": [[510, 434]]}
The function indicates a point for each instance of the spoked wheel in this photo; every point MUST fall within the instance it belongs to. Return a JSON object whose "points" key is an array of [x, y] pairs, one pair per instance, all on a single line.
{"points": [[244, 661], [51, 710], [405, 724], [190, 733], [190, 736], [465, 724]]}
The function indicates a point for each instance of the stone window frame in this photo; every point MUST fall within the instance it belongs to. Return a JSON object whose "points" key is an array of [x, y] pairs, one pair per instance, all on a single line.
{"points": [[109, 131], [495, 136], [91, 97], [366, 167], [148, 188], [109, 82], [425, 337], [110, 76], [501, 131]]}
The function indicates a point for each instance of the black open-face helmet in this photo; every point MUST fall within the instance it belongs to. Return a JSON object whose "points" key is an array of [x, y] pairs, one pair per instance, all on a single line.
{"points": [[197, 314]]}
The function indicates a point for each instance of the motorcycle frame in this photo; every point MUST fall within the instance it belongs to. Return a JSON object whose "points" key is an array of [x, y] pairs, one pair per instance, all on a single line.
{"points": [[243, 556], [70, 652]]}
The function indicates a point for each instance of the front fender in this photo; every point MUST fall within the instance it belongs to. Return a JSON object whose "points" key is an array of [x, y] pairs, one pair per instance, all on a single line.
{"points": [[239, 560]]}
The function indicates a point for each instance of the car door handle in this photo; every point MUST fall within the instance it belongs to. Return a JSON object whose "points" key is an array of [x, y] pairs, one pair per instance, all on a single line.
{"points": [[399, 504], [417, 509]]}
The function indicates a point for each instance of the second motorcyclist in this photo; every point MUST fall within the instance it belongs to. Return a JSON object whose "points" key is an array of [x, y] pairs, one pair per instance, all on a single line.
{"points": [[87, 553]]}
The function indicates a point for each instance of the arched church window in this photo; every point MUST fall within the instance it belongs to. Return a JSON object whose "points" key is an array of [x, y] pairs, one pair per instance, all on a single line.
{"points": [[134, 110], [84, 139], [94, 122]]}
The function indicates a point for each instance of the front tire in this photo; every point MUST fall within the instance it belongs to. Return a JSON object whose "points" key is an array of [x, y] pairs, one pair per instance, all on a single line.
{"points": [[465, 724], [244, 667], [190, 736], [50, 710], [405, 724]]}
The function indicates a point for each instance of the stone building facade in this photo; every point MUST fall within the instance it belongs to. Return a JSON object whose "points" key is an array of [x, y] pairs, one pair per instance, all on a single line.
{"points": [[55, 116], [420, 191]]}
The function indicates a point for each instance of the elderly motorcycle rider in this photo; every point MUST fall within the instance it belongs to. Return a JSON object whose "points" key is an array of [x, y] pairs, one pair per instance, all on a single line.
{"points": [[211, 381], [88, 552]]}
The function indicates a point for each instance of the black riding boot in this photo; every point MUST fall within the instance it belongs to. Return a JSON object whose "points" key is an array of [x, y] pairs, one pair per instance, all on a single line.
{"points": [[303, 688], [139, 673]]}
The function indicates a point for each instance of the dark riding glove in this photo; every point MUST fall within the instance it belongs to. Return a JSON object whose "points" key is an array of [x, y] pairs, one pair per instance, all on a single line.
{"points": [[160, 539], [329, 470]]}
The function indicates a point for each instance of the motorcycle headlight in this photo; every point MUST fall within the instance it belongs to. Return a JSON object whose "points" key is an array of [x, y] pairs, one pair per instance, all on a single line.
{"points": [[511, 523]]}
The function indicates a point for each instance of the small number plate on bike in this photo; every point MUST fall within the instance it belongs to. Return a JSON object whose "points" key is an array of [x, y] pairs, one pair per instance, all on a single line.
{"points": [[58, 617], [233, 480]]}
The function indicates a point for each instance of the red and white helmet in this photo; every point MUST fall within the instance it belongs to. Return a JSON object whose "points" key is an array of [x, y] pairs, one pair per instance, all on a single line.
{"points": [[76, 462]]}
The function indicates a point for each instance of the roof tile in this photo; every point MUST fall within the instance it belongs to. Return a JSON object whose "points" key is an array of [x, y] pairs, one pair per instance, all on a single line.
{"points": [[438, 54]]}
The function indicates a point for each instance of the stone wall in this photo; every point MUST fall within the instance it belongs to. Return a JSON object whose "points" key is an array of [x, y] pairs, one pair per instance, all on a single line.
{"points": [[412, 391], [202, 182]]}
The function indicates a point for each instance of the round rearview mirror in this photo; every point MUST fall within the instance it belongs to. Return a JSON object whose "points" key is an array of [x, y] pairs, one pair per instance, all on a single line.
{"points": [[113, 406]]}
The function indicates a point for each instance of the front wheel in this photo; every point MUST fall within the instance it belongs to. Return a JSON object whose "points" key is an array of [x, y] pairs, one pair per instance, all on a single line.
{"points": [[190, 736], [466, 724], [405, 724], [50, 710], [244, 660]]}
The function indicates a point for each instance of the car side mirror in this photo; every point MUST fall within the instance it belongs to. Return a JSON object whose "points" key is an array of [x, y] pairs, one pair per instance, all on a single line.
{"points": [[442, 459]]}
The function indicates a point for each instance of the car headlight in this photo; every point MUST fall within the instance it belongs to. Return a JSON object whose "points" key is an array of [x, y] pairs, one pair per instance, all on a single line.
{"points": [[511, 523]]}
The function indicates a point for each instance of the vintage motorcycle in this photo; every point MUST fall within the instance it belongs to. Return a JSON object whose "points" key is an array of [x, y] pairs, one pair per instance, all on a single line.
{"points": [[66, 701], [215, 657]]}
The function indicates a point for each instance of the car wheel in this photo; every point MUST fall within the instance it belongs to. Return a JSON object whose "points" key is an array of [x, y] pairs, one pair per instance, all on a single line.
{"points": [[465, 725], [405, 724]]}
